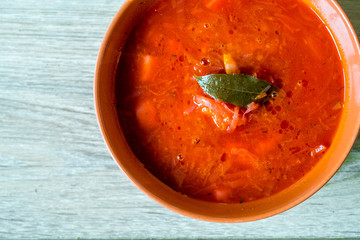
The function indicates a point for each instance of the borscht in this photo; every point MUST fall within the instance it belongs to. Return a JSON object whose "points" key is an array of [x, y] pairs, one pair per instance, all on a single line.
{"points": [[278, 64]]}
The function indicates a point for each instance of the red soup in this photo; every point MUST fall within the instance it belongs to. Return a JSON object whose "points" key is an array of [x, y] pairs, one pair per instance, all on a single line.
{"points": [[219, 152]]}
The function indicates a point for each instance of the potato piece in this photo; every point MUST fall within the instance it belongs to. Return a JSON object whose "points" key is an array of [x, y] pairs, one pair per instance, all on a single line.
{"points": [[146, 115]]}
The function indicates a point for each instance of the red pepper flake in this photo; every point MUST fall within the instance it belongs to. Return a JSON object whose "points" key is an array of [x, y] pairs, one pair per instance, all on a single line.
{"points": [[284, 124], [181, 58]]}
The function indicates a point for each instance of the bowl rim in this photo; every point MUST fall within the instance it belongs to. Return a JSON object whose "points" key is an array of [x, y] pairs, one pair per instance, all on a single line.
{"points": [[104, 132]]}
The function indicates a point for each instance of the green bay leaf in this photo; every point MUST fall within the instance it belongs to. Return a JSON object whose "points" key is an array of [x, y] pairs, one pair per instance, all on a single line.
{"points": [[236, 89]]}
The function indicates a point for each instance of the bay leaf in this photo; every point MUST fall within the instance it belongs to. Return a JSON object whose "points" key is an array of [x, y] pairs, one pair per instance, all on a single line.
{"points": [[236, 89]]}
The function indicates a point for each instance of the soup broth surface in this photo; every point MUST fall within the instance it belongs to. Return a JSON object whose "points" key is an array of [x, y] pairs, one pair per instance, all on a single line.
{"points": [[218, 152]]}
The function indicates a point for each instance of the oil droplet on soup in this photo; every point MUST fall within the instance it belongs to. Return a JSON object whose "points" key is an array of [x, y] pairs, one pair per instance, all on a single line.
{"points": [[182, 136]]}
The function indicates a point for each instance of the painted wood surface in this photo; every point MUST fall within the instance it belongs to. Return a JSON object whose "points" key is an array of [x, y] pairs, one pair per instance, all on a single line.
{"points": [[57, 178]]}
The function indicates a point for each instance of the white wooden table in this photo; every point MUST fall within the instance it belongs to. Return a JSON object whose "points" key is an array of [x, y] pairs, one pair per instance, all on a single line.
{"points": [[57, 178]]}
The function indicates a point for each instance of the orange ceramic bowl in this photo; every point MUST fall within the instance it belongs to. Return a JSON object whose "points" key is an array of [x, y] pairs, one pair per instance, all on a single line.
{"points": [[104, 86]]}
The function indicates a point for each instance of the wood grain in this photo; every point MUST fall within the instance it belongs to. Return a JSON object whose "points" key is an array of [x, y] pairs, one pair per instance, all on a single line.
{"points": [[57, 179]]}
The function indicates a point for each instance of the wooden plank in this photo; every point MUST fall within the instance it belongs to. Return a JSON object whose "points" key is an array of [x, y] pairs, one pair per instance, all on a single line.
{"points": [[57, 178]]}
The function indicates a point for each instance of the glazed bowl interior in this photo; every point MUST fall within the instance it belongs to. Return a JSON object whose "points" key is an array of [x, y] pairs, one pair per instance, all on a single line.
{"points": [[105, 102]]}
